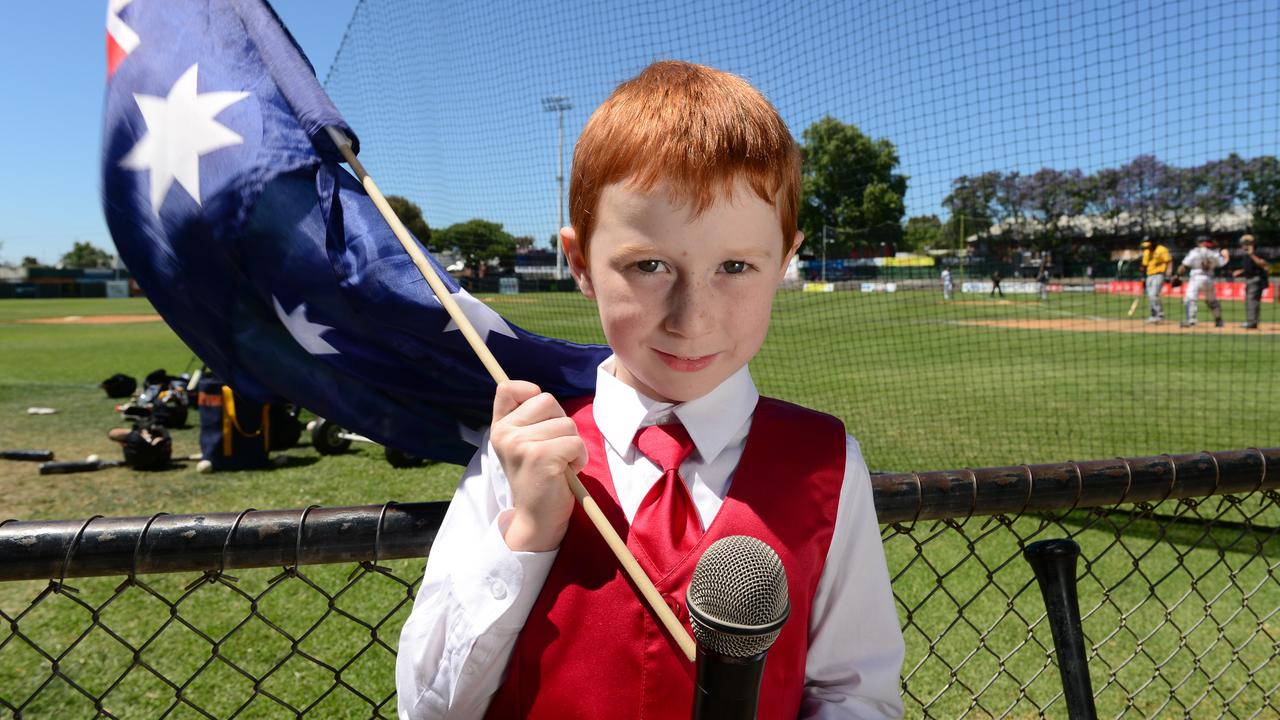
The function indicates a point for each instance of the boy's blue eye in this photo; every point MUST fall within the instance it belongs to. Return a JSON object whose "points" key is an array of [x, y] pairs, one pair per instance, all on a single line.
{"points": [[648, 266], [733, 267]]}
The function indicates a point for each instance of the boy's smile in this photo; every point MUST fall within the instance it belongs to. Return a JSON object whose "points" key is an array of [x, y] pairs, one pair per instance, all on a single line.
{"points": [[684, 301]]}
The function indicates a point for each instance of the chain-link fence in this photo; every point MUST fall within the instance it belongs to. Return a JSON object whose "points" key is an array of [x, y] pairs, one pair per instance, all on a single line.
{"points": [[142, 617]]}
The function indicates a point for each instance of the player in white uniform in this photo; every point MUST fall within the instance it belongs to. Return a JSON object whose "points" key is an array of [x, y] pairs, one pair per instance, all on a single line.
{"points": [[1202, 261], [947, 284]]}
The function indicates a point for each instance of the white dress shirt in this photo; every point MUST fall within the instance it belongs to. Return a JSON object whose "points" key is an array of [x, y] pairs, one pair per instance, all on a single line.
{"points": [[477, 592]]}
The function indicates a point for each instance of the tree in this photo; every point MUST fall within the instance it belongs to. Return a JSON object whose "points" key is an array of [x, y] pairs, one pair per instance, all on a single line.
{"points": [[1140, 196], [923, 232], [1010, 202], [971, 203], [1262, 194], [478, 242], [411, 215], [30, 262], [848, 183], [1050, 197], [85, 255], [1222, 185], [1103, 199]]}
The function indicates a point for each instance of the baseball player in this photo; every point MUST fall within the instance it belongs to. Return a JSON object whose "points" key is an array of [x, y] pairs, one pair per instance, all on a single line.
{"points": [[947, 284], [1202, 261], [1042, 277], [1155, 263]]}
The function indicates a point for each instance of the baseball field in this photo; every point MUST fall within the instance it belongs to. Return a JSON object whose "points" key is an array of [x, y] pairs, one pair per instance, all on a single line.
{"points": [[923, 383]]}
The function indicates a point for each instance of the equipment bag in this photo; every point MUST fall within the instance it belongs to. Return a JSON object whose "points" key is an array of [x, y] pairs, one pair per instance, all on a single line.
{"points": [[235, 432]]}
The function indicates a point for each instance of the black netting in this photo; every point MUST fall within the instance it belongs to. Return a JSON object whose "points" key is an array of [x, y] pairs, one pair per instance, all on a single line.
{"points": [[1022, 134]]}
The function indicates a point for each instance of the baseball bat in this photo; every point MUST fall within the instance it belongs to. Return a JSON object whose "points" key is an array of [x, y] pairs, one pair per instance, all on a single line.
{"points": [[40, 455], [1133, 307], [75, 466], [1054, 563]]}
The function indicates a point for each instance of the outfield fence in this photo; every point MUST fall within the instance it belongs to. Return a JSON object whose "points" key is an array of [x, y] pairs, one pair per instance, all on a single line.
{"points": [[1179, 589]]}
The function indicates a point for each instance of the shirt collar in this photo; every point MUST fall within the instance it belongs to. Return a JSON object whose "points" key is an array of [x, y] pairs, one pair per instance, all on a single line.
{"points": [[711, 420]]}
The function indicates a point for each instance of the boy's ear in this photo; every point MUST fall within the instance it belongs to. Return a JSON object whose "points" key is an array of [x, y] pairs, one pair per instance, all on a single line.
{"points": [[796, 242], [577, 261]]}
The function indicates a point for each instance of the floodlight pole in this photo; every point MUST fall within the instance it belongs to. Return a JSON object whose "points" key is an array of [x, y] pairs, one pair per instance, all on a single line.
{"points": [[558, 104], [824, 251]]}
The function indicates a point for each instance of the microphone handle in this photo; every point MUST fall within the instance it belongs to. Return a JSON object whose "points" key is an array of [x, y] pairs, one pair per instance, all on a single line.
{"points": [[727, 688]]}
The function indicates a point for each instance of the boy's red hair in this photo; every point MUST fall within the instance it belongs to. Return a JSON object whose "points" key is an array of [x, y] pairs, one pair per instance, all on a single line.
{"points": [[697, 129]]}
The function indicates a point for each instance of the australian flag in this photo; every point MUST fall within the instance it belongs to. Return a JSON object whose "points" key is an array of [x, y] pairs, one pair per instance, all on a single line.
{"points": [[226, 200]]}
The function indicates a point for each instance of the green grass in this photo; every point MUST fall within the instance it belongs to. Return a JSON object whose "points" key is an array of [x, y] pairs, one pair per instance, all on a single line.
{"points": [[917, 386]]}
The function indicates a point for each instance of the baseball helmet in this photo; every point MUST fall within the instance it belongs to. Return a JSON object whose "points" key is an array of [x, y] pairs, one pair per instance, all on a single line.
{"points": [[119, 386]]}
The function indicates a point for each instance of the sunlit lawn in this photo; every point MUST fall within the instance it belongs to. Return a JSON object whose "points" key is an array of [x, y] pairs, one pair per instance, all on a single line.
{"points": [[919, 390]]}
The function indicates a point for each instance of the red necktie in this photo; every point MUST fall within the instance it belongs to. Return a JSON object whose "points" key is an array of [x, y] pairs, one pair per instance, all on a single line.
{"points": [[666, 523]]}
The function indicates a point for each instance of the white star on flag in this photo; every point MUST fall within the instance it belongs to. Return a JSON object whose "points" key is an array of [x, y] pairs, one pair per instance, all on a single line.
{"points": [[481, 316], [307, 333], [180, 128]]}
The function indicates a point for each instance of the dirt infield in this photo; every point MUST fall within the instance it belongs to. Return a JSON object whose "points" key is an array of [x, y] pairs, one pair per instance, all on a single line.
{"points": [[1122, 326], [92, 319]]}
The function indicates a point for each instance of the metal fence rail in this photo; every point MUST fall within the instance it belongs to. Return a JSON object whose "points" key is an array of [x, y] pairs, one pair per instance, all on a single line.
{"points": [[1180, 596]]}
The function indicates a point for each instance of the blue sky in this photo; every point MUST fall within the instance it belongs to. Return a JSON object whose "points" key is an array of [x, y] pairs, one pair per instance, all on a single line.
{"points": [[446, 95], [54, 62]]}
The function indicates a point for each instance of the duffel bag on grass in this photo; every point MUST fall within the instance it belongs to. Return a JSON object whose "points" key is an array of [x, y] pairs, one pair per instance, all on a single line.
{"points": [[235, 432]]}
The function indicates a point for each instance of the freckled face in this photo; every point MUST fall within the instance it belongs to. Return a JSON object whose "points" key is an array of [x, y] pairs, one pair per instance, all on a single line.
{"points": [[684, 301]]}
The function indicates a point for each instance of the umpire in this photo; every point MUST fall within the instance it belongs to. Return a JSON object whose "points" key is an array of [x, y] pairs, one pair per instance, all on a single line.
{"points": [[1254, 271]]}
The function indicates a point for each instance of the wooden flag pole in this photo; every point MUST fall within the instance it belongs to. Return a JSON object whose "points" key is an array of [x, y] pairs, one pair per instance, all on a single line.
{"points": [[588, 503]]}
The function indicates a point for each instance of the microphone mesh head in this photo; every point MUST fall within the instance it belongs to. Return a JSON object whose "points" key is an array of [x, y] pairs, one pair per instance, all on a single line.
{"points": [[738, 597]]}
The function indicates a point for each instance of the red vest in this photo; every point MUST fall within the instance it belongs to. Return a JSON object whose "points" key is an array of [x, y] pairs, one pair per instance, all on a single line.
{"points": [[591, 649]]}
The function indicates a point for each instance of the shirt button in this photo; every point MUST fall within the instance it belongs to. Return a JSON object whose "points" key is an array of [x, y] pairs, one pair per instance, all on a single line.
{"points": [[498, 588]]}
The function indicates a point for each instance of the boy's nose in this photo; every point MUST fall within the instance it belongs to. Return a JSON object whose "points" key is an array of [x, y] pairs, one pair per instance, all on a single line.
{"points": [[690, 308]]}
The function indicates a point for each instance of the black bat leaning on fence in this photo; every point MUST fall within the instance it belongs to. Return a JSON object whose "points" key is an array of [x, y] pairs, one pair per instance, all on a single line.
{"points": [[1054, 563]]}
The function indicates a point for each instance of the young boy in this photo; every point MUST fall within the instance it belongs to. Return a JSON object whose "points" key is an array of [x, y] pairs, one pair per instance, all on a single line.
{"points": [[683, 204]]}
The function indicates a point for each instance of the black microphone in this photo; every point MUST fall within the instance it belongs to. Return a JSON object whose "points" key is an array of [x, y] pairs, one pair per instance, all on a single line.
{"points": [[737, 605]]}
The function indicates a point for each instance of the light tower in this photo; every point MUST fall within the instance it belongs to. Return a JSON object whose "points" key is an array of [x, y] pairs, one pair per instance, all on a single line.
{"points": [[558, 104]]}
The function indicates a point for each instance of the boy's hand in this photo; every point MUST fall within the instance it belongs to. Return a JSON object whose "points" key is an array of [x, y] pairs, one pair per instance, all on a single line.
{"points": [[537, 444]]}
